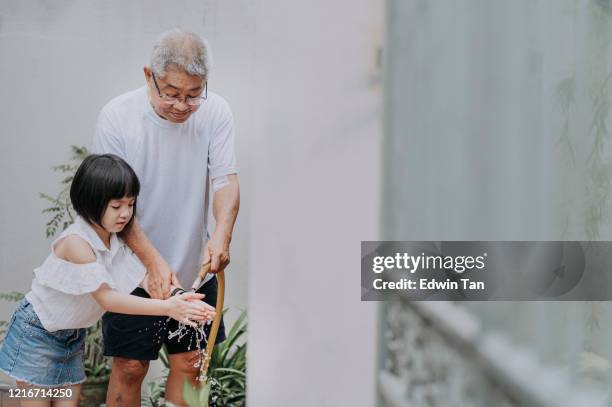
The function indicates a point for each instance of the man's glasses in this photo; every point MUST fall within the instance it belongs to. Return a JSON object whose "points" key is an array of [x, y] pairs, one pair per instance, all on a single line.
{"points": [[191, 101]]}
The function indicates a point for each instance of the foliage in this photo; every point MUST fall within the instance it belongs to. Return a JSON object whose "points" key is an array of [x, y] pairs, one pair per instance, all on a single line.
{"points": [[226, 385], [12, 296], [157, 387], [227, 371], [62, 214], [96, 364]]}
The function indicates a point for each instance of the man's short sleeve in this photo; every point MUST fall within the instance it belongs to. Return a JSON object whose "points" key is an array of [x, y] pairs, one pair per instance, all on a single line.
{"points": [[107, 139], [221, 154]]}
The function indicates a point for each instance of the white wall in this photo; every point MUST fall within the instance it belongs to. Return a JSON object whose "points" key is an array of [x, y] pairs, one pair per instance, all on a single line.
{"points": [[303, 84], [314, 197]]}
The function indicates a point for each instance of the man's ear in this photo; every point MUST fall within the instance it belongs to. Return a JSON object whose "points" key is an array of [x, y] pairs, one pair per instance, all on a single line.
{"points": [[147, 73]]}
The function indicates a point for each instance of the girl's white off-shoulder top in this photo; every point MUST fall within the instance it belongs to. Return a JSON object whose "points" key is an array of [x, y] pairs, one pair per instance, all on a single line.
{"points": [[60, 292]]}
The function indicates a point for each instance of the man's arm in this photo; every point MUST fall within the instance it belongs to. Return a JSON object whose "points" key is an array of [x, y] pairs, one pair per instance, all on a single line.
{"points": [[159, 271], [108, 139], [226, 202]]}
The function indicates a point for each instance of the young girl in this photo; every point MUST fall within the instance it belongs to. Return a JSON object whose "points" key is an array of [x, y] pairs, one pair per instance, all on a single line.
{"points": [[89, 271]]}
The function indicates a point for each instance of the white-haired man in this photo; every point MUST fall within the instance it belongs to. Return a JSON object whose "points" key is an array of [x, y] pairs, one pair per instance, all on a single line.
{"points": [[179, 139]]}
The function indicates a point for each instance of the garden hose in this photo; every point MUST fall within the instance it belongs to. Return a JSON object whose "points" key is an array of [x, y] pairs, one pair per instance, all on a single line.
{"points": [[219, 314]]}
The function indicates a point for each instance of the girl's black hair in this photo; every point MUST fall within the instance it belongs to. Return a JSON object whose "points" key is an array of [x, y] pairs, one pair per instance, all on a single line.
{"points": [[98, 180]]}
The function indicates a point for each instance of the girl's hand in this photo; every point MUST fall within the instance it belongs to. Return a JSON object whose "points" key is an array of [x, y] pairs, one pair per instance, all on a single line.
{"points": [[188, 307]]}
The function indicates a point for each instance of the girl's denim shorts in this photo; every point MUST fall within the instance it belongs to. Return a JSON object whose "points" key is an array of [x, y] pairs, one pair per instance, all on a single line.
{"points": [[31, 354]]}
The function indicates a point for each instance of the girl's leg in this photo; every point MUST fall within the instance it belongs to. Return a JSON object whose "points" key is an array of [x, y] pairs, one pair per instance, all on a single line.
{"points": [[74, 400], [31, 403]]}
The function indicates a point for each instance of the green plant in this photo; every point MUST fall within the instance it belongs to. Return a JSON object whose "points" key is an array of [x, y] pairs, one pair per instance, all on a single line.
{"points": [[97, 366], [226, 385], [227, 369], [157, 387], [62, 214]]}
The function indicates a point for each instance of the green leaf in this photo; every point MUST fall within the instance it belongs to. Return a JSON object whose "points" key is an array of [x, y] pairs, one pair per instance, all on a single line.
{"points": [[229, 343], [163, 356], [61, 207], [204, 395], [239, 357], [192, 396], [12, 296], [227, 369], [62, 168], [238, 325]]}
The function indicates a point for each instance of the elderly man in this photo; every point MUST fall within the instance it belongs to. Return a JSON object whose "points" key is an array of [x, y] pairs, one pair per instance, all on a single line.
{"points": [[178, 137]]}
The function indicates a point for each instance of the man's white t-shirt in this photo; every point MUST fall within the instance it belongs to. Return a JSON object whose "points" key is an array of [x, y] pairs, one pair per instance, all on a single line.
{"points": [[174, 163]]}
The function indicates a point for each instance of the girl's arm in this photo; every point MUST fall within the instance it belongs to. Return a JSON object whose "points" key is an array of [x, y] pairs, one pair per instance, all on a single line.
{"points": [[180, 307]]}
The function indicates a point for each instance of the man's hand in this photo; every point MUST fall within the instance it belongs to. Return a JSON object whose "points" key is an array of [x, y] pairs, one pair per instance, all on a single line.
{"points": [[175, 281], [159, 279], [217, 252], [157, 282]]}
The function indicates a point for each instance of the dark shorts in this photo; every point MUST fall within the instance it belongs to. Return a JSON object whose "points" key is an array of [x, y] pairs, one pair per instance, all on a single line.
{"points": [[141, 337]]}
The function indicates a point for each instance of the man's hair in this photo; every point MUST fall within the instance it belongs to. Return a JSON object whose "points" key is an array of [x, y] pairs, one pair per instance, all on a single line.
{"points": [[98, 180], [186, 50]]}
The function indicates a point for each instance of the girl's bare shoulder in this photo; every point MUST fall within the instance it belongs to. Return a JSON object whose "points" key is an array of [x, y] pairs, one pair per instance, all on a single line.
{"points": [[75, 249]]}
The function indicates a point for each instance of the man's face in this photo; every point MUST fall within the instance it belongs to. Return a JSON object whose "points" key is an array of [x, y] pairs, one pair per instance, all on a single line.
{"points": [[175, 83]]}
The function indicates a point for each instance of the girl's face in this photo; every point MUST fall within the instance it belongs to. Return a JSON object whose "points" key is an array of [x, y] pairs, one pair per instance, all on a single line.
{"points": [[118, 213]]}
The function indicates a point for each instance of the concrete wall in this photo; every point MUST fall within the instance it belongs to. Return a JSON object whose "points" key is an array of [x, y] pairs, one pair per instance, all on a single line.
{"points": [[303, 84]]}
